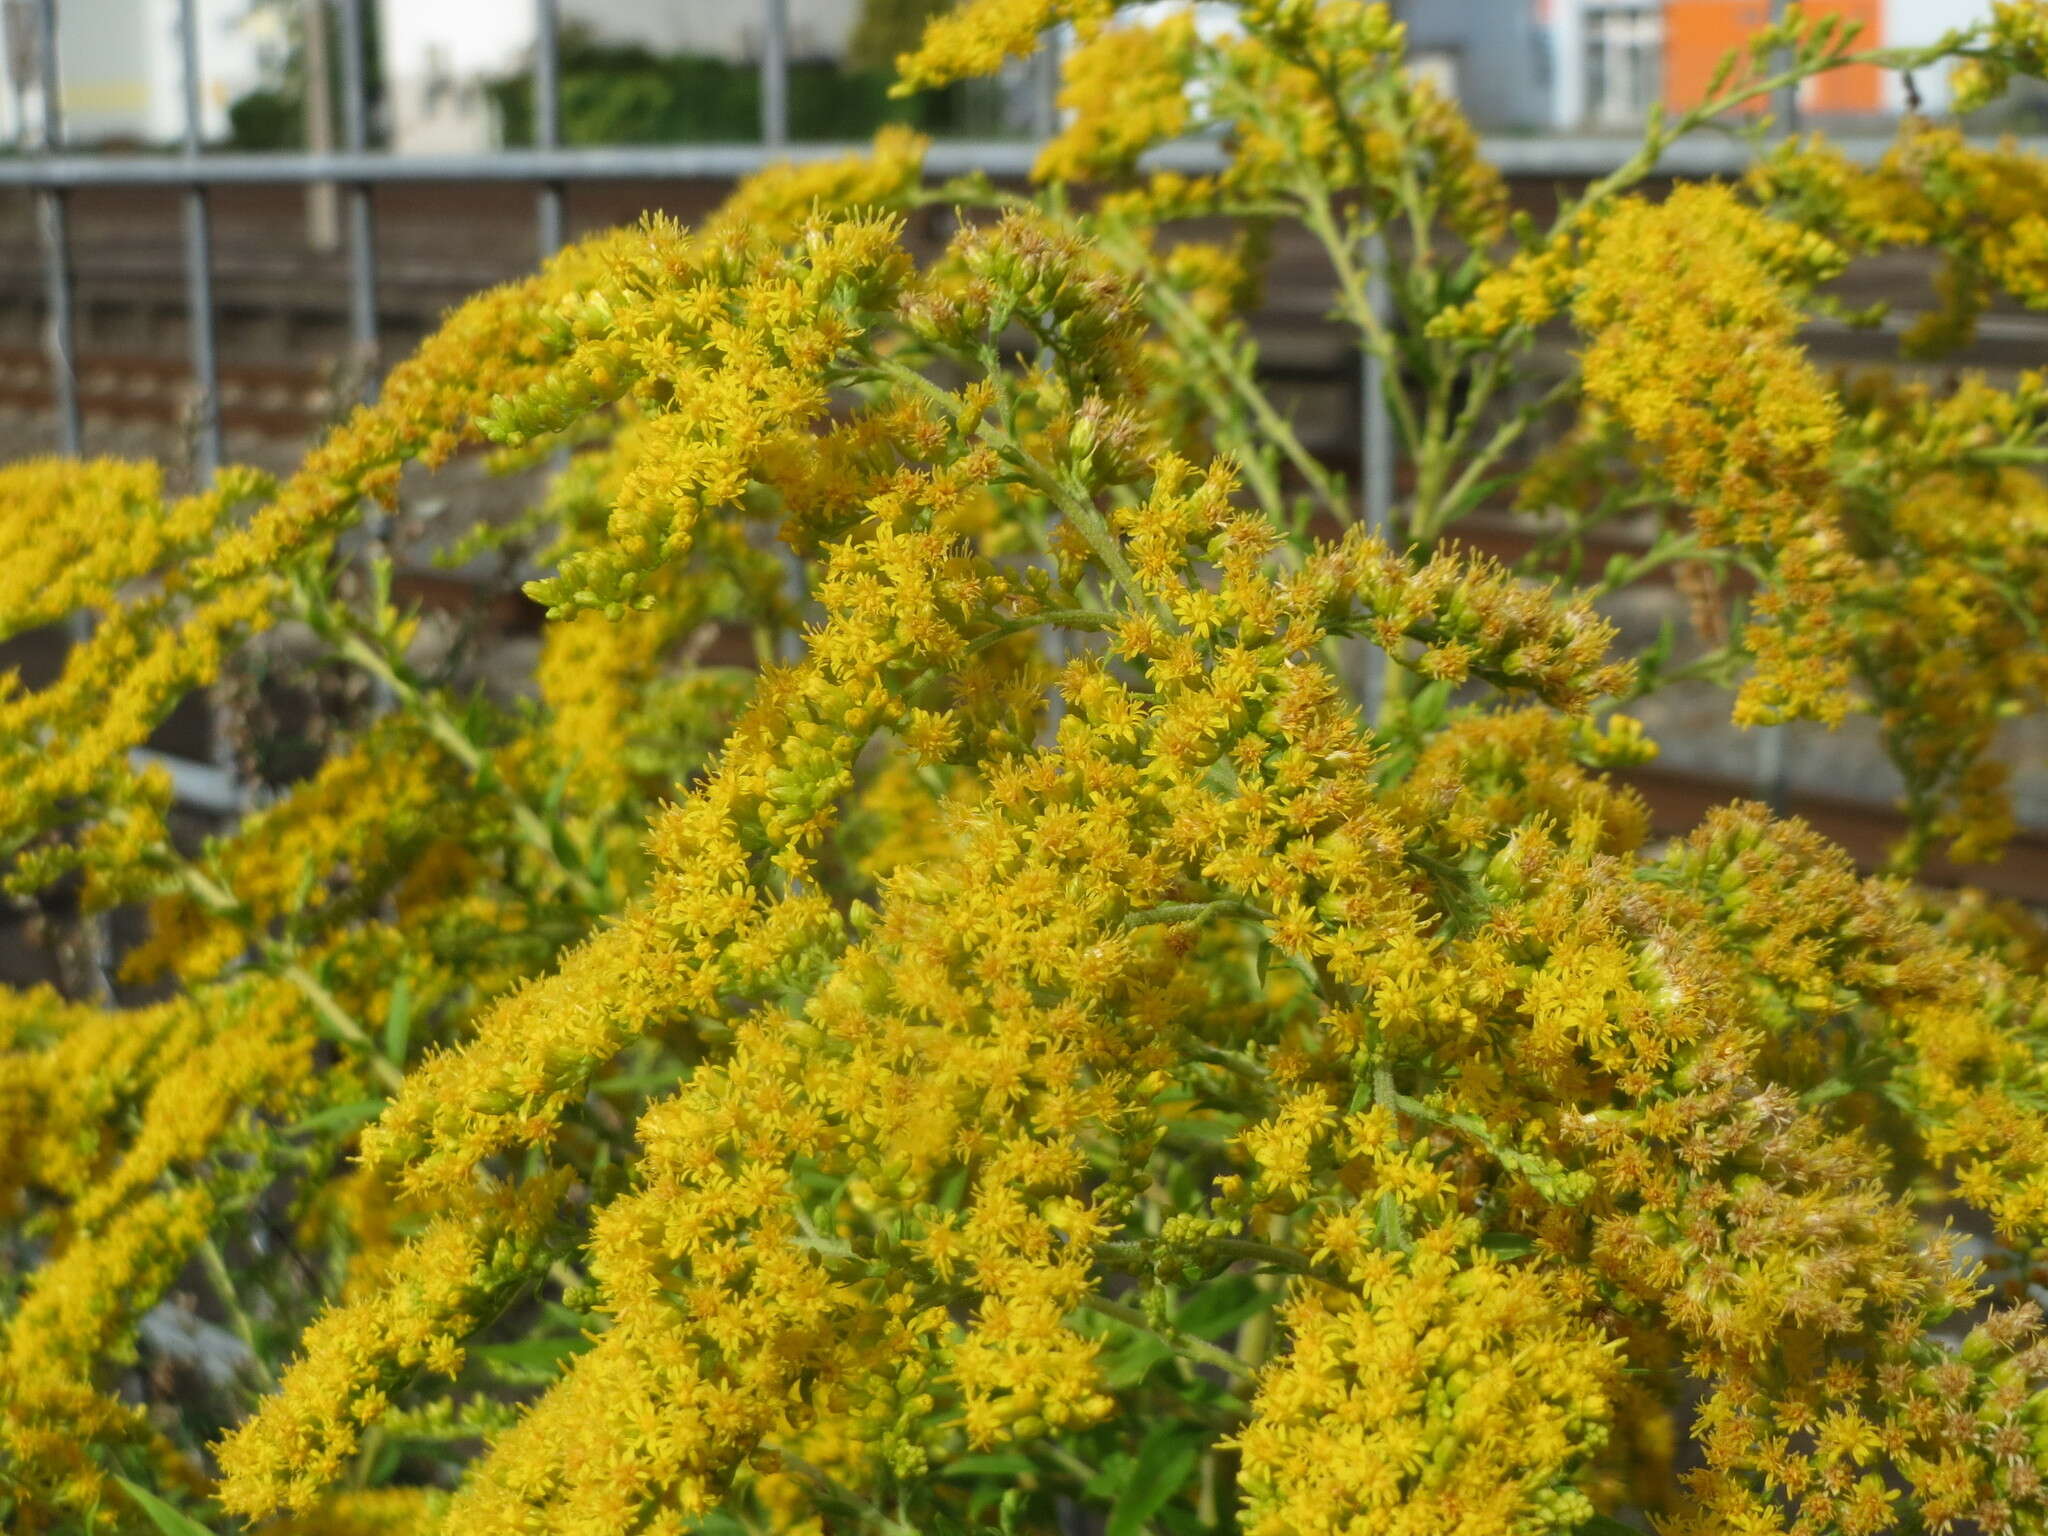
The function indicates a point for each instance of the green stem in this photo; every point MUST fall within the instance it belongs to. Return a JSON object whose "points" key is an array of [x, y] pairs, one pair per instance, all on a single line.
{"points": [[1193, 912], [447, 732], [1427, 520], [1197, 1350], [1230, 367], [238, 1318], [1660, 137], [1062, 618], [1356, 304], [1136, 1258], [824, 1485], [280, 961], [339, 1022], [1085, 516]]}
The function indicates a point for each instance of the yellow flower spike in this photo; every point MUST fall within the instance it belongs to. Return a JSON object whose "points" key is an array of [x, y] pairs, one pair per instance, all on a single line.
{"points": [[977, 38]]}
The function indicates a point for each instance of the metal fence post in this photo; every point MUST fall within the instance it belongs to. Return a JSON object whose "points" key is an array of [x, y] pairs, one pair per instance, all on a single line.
{"points": [[1046, 108], [549, 212], [775, 135], [362, 215], [199, 259], [323, 216], [1768, 770], [775, 74], [1376, 461], [54, 220], [200, 325], [1785, 99], [94, 933]]}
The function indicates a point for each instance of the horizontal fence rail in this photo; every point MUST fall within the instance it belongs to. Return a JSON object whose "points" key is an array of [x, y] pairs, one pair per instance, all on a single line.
{"points": [[1565, 156]]}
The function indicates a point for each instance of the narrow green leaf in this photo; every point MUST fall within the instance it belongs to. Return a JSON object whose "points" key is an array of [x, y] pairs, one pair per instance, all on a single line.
{"points": [[558, 788], [998, 1464], [398, 1020], [339, 1117], [640, 1082], [1129, 1365], [1430, 707], [1218, 1308], [1217, 1128], [161, 1515], [1508, 1245], [532, 1354], [567, 854], [1165, 1463]]}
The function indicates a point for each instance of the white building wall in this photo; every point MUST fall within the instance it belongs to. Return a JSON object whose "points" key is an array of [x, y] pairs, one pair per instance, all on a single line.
{"points": [[1912, 23], [437, 58], [122, 74]]}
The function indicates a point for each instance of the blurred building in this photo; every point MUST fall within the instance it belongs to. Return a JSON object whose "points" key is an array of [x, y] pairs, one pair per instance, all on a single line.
{"points": [[1601, 65], [440, 58], [724, 29], [1493, 56], [121, 71], [1516, 65]]}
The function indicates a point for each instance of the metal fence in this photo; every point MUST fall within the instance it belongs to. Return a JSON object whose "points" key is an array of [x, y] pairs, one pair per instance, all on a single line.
{"points": [[550, 169]]}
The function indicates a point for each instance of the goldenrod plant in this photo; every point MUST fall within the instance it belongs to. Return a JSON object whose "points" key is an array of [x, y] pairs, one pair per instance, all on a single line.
{"points": [[1144, 1007]]}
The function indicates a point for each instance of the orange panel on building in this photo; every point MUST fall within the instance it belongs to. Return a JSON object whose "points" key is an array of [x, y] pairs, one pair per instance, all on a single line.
{"points": [[1699, 33]]}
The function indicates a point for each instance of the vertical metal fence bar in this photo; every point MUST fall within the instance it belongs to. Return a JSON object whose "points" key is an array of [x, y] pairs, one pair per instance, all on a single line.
{"points": [[199, 321], [1785, 99], [1376, 462], [360, 218], [774, 135], [1767, 769], [95, 936], [549, 214], [54, 221], [775, 73], [323, 204], [361, 211], [1045, 109], [199, 260]]}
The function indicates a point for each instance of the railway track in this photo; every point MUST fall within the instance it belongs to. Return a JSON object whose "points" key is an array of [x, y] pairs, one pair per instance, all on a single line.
{"points": [[274, 400]]}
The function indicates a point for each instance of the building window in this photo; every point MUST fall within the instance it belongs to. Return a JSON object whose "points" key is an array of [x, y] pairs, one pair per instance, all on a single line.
{"points": [[1624, 64]]}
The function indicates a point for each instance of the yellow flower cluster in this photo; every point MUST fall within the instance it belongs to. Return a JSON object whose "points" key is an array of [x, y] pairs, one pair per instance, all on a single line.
{"points": [[129, 1124], [1900, 528], [1980, 206], [980, 37], [1447, 1392], [462, 1265], [1027, 1043], [775, 203], [76, 533], [2019, 32], [366, 817], [738, 341], [1127, 91]]}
